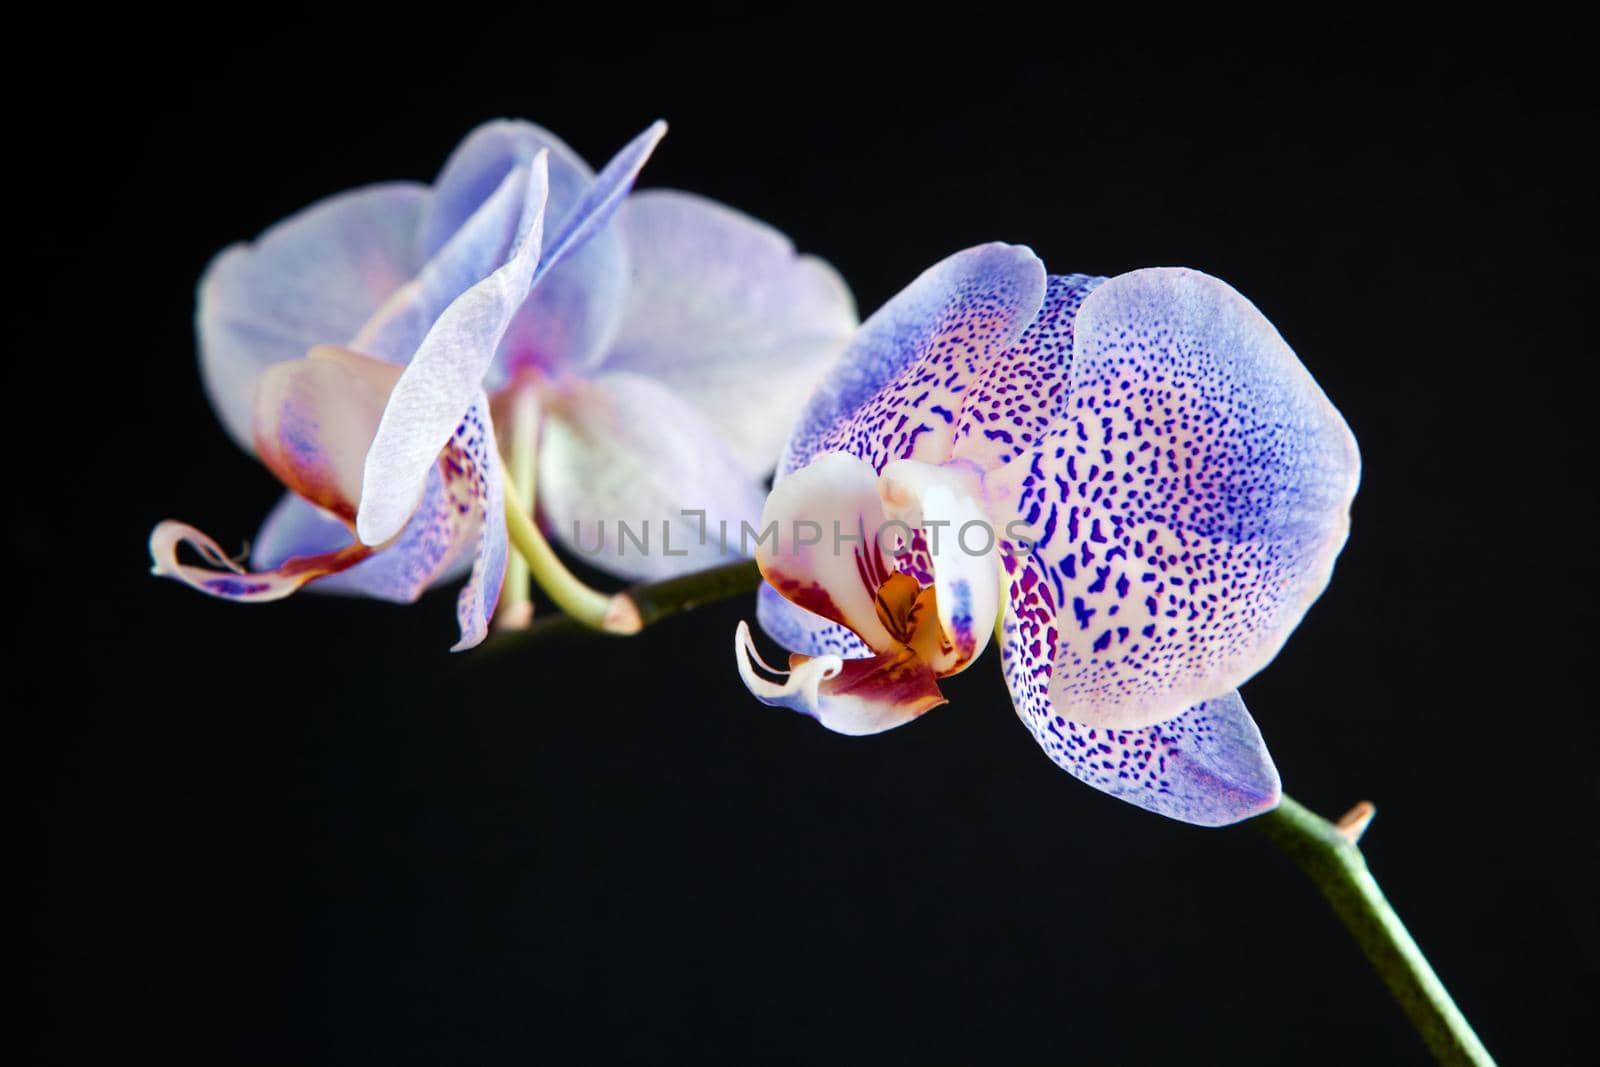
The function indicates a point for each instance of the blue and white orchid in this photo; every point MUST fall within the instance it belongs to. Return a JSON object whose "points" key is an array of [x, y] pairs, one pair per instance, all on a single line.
{"points": [[367, 349], [1134, 476]]}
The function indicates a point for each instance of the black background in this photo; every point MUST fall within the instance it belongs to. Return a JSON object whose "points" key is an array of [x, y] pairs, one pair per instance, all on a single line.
{"points": [[306, 832]]}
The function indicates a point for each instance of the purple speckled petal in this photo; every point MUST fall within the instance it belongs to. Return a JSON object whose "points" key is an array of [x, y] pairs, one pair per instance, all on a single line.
{"points": [[1207, 766], [1023, 391], [897, 389], [445, 377], [311, 279], [1185, 510], [470, 464], [721, 308]]}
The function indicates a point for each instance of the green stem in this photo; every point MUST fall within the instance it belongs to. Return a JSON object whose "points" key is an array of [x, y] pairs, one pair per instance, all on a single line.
{"points": [[1326, 852], [1329, 857], [613, 613], [658, 600]]}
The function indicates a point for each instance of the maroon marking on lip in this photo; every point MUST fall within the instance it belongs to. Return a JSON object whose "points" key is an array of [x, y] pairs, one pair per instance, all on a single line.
{"points": [[806, 594]]}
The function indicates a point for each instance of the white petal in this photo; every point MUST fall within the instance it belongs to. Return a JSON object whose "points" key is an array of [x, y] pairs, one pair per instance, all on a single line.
{"points": [[311, 279], [626, 449], [442, 381], [722, 308]]}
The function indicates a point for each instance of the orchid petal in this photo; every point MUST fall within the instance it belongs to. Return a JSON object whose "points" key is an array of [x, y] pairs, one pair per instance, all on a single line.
{"points": [[480, 164], [804, 631], [313, 278], [228, 580], [1024, 390], [720, 307], [429, 551], [1187, 514], [896, 390], [944, 503], [491, 237], [315, 419], [297, 527], [601, 200], [470, 464], [582, 281], [626, 449], [571, 314], [441, 382], [854, 696], [461, 507], [1206, 766], [824, 552]]}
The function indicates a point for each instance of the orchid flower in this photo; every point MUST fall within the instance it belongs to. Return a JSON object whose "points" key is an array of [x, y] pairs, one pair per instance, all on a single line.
{"points": [[1134, 476], [406, 359]]}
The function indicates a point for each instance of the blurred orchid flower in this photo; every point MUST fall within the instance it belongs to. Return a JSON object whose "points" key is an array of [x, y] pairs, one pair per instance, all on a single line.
{"points": [[1134, 476], [610, 339]]}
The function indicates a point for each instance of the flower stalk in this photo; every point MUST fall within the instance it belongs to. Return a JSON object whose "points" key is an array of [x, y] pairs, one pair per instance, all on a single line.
{"points": [[1328, 854], [612, 613], [1325, 851], [516, 605]]}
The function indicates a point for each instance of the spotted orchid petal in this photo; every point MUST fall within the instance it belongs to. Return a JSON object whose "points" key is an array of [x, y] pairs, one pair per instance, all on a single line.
{"points": [[624, 448], [897, 389], [1023, 392], [470, 463], [1185, 513], [1207, 766], [313, 278], [446, 375], [721, 308]]}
